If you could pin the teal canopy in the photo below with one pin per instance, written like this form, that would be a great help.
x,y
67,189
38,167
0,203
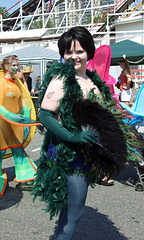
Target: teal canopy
x,y
133,51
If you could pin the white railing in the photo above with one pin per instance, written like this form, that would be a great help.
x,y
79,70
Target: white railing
x,y
66,14
66,17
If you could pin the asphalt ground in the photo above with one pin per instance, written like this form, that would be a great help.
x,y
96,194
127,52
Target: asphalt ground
x,y
111,212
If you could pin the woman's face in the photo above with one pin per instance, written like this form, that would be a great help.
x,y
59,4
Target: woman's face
x,y
12,67
78,54
122,63
26,75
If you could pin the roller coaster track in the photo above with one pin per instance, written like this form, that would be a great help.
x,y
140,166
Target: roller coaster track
x,y
122,8
32,6
27,8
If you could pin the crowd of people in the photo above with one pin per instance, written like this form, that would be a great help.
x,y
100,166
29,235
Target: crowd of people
x,y
84,142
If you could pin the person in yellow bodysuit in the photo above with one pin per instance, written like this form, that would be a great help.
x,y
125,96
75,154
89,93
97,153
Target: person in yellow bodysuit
x,y
17,121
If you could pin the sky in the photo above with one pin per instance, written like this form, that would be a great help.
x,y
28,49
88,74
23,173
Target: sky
x,y
9,3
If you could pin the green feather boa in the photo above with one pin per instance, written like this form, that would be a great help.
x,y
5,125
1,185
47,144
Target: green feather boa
x,y
51,178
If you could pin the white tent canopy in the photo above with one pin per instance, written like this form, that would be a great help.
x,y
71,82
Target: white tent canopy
x,y
34,56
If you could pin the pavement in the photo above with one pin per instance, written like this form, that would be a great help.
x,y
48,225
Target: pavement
x,y
111,212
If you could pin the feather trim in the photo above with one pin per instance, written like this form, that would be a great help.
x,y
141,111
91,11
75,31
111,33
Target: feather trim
x,y
51,178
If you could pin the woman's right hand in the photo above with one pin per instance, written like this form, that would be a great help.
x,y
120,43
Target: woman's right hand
x,y
47,119
83,136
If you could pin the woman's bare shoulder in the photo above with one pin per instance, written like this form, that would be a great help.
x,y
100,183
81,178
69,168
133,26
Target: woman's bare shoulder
x,y
53,94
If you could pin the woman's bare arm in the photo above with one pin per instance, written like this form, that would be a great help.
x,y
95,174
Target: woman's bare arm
x,y
52,95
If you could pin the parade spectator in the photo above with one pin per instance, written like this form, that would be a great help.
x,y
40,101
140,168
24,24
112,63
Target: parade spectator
x,y
27,71
37,84
124,82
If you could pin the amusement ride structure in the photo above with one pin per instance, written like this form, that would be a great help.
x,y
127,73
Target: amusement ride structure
x,y
48,19
43,21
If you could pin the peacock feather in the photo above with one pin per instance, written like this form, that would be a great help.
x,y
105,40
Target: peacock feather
x,y
98,113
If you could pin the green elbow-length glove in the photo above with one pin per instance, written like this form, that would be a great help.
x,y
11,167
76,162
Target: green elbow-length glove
x,y
20,119
9,116
48,120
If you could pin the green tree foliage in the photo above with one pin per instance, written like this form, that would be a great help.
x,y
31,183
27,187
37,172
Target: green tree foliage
x,y
36,24
97,19
2,10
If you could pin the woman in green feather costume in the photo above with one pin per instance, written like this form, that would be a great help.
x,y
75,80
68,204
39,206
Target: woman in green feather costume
x,y
73,154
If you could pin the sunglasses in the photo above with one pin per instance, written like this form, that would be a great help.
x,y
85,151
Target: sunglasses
x,y
122,61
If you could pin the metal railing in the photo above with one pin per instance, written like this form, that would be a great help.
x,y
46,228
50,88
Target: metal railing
x,y
63,15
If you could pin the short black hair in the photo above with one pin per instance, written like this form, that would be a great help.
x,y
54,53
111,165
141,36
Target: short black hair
x,y
80,34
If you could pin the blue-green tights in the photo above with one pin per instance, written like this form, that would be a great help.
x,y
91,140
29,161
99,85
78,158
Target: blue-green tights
x,y
76,195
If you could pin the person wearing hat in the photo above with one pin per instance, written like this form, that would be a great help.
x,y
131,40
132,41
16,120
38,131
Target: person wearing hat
x,y
26,71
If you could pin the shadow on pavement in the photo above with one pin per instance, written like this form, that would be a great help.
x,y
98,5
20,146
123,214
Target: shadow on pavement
x,y
11,196
95,226
127,176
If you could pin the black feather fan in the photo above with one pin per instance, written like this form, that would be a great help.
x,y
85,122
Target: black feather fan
x,y
111,151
